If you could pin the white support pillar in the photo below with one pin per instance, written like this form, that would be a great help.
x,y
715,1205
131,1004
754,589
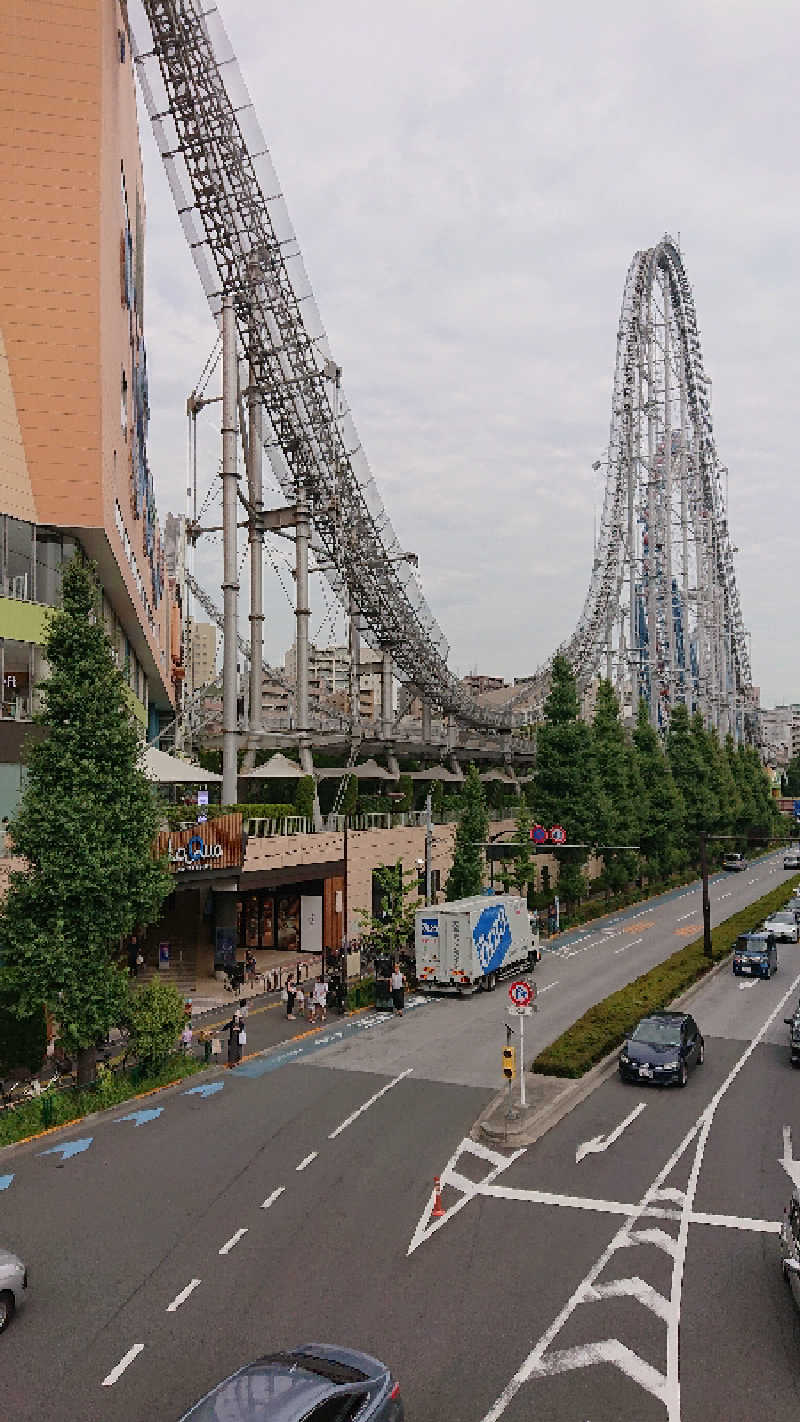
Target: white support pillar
x,y
684,476
302,617
230,576
652,634
354,633
426,721
669,611
255,445
387,717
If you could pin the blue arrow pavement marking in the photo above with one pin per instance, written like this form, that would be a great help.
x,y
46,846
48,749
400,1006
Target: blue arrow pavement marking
x,y
140,1117
69,1148
205,1090
5,1181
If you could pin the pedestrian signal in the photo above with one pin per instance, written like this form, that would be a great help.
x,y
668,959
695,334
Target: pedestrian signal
x,y
509,1063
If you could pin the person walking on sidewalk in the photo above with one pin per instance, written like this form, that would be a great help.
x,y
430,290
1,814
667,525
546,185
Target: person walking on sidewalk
x,y
397,985
290,997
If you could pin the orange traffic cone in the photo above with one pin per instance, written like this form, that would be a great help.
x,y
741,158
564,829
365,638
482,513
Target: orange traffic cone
x,y
438,1210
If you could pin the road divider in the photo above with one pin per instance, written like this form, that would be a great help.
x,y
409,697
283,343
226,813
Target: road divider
x,y
606,1025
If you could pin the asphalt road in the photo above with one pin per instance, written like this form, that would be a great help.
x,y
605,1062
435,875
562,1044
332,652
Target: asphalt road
x,y
280,1207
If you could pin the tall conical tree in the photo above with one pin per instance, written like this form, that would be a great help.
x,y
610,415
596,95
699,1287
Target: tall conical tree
x,y
690,771
662,827
565,788
466,875
616,774
86,827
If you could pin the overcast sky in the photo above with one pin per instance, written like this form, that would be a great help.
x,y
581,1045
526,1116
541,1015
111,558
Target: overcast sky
x,y
468,183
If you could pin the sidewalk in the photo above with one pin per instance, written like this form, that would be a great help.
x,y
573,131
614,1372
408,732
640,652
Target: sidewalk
x,y
273,968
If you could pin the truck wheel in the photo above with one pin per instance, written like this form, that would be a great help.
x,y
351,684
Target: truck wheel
x,y
490,982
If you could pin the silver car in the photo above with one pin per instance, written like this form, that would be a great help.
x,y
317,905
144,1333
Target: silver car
x,y
13,1283
790,1246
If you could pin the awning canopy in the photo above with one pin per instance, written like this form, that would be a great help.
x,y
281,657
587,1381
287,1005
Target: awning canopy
x,y
438,772
166,769
278,767
367,770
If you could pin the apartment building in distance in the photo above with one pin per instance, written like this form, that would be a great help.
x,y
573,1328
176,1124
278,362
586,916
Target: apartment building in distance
x,y
201,654
74,407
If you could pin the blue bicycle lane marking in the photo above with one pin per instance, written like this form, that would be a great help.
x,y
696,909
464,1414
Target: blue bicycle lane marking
x,y
273,1060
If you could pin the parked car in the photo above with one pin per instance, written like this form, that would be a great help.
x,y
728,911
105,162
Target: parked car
x,y
734,861
783,925
791,860
755,954
13,1283
790,1245
662,1048
313,1383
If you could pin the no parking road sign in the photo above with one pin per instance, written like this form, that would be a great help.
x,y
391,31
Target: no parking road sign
x,y
520,993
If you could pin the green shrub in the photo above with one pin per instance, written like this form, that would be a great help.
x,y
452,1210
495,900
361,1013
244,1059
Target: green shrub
x,y
23,1040
361,994
155,1018
606,1025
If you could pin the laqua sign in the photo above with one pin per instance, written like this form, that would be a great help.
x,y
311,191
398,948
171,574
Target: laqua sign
x,y
214,844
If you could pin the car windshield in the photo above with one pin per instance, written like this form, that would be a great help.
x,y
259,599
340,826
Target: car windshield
x,y
751,945
657,1033
783,917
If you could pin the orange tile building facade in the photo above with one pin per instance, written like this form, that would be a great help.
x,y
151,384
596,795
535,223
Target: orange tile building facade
x,y
73,370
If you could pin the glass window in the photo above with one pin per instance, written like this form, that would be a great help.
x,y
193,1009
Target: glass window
x,y
19,561
17,678
48,566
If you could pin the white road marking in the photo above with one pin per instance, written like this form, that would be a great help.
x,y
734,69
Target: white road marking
x,y
554,983
684,916
664,1386
752,982
307,1160
182,1296
270,1200
620,950
751,881
601,1143
122,1365
378,1094
468,1188
234,1239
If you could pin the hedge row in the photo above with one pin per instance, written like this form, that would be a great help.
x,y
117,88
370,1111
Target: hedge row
x,y
607,1024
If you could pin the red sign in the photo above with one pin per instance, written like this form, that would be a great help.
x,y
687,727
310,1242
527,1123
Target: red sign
x,y
558,835
538,834
520,993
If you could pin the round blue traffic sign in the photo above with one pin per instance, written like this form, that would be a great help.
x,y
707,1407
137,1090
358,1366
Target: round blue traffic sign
x,y
520,993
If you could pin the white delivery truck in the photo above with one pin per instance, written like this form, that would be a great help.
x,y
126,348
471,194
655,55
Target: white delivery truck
x,y
470,943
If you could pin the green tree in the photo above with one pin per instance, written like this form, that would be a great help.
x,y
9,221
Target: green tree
x,y
86,826
792,776
616,769
689,762
23,1040
390,931
565,788
521,865
466,875
304,796
155,1017
662,827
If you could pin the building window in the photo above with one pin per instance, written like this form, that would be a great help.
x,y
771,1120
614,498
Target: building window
x,y
19,559
48,566
17,670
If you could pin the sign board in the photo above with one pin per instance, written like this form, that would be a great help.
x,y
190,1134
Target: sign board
x,y
520,1011
520,993
797,809
163,955
539,834
558,835
202,797
212,845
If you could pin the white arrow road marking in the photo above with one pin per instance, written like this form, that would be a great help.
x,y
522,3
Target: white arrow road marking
x,y
791,1166
378,1094
123,1364
752,983
182,1296
541,1362
600,1143
234,1239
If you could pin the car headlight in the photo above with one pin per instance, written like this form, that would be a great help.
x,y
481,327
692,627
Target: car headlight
x,y
623,1056
671,1066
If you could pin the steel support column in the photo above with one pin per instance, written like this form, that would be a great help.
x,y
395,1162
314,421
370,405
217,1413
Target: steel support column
x,y
255,445
230,577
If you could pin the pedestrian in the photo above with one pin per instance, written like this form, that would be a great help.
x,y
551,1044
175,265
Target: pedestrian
x,y
397,985
320,1000
235,1028
300,1000
250,967
290,997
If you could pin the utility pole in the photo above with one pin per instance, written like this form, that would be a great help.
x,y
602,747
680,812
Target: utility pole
x,y
302,613
230,576
428,847
706,900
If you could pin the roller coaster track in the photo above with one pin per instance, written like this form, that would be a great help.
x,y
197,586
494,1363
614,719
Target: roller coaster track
x,y
661,616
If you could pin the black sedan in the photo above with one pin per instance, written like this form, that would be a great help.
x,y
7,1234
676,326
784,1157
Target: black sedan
x,y
662,1048
314,1383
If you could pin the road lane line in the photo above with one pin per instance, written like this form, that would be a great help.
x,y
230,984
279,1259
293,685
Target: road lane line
x,y
378,1094
122,1365
307,1160
270,1200
684,916
554,983
182,1296
234,1239
621,950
